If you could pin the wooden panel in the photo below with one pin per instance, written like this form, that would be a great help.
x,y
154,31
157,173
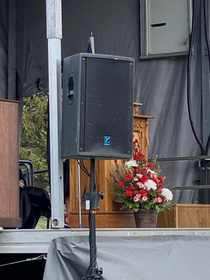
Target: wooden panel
x,y
9,163
10,222
185,216
102,176
109,215
105,220
166,219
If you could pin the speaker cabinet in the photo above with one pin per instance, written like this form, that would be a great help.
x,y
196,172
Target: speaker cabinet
x,y
97,120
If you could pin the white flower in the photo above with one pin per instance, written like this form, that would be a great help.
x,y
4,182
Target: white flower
x,y
131,163
167,193
150,185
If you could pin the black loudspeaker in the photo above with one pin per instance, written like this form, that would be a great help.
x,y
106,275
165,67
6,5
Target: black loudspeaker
x,y
97,119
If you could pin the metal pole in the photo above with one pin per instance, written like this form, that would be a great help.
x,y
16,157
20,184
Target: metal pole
x,y
79,187
54,36
92,220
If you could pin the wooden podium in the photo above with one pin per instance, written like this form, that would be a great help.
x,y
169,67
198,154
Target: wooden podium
x,y
185,216
109,215
9,164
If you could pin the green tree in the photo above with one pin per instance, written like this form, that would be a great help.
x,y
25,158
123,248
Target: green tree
x,y
34,136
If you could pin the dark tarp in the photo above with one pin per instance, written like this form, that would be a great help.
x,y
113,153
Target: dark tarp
x,y
160,84
131,257
3,47
31,50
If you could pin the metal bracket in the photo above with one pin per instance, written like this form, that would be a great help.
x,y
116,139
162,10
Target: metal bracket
x,y
92,200
204,165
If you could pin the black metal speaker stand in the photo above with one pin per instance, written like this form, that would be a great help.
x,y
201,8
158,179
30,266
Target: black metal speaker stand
x,y
93,271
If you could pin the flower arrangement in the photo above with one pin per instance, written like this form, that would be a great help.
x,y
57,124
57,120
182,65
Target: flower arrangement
x,y
138,184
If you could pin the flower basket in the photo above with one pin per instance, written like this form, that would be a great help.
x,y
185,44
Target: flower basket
x,y
137,185
146,218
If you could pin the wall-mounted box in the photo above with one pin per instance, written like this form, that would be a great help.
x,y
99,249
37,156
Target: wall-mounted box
x,y
165,27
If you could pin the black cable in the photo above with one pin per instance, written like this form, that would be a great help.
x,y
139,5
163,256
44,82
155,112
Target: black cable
x,y
41,257
83,167
37,84
189,78
208,50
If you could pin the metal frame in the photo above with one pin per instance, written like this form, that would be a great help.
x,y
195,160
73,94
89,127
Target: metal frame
x,y
54,36
29,171
37,241
195,158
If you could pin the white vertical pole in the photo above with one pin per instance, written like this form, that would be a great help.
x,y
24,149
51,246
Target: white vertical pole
x,y
54,36
79,187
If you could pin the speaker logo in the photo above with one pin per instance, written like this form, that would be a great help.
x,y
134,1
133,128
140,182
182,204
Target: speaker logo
x,y
107,140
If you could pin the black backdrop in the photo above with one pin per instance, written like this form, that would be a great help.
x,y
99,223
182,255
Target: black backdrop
x,y
160,84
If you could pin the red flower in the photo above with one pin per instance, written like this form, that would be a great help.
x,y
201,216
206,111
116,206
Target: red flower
x,y
137,158
122,184
151,165
143,192
144,178
131,188
128,193
160,179
144,168
136,170
155,180
141,154
158,199
128,176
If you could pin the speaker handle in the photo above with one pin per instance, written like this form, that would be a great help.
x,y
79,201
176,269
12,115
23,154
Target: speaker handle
x,y
70,90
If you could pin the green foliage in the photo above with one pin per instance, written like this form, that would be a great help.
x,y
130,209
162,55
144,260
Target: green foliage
x,y
42,223
34,136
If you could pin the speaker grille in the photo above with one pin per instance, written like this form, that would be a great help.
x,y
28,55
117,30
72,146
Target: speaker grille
x,y
106,113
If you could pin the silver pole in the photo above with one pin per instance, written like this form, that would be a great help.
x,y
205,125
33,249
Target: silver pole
x,y
79,187
54,36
